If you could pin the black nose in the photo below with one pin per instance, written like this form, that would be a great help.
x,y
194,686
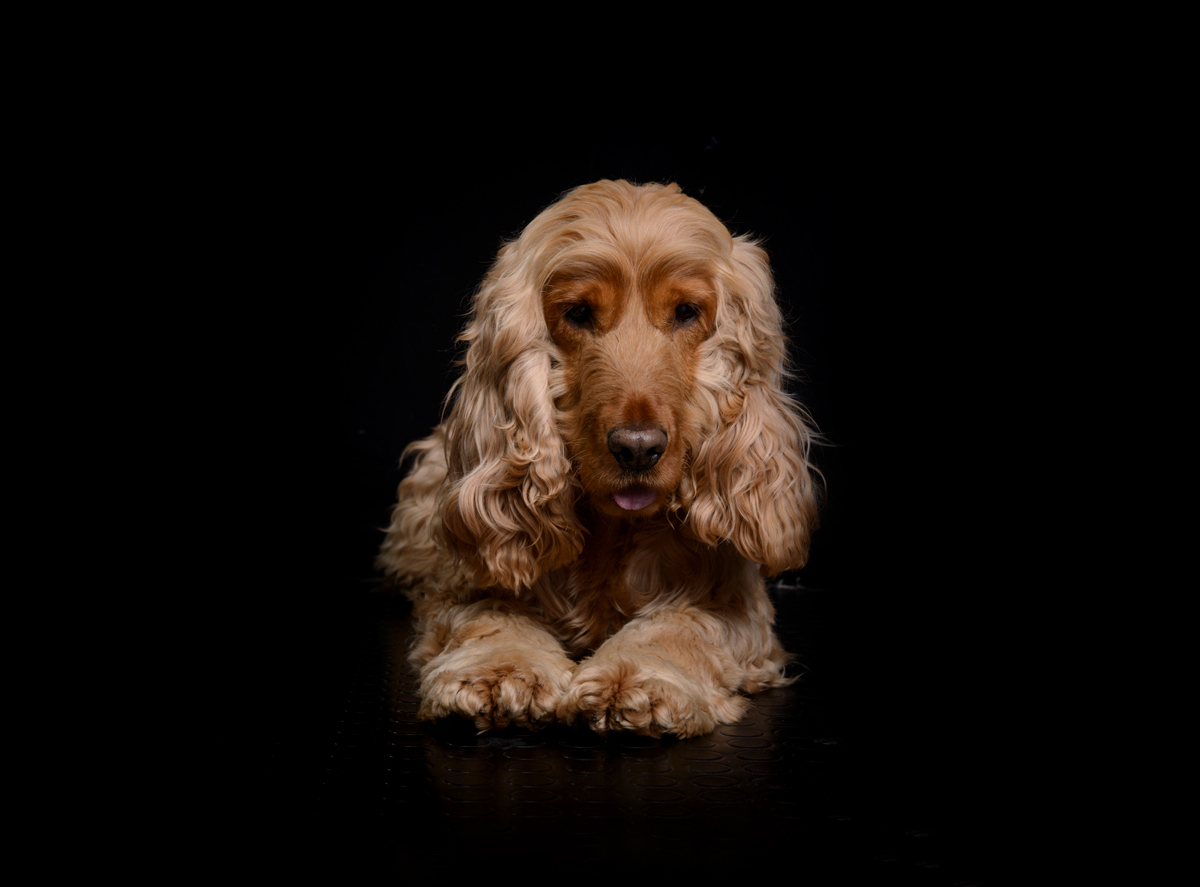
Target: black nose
x,y
637,447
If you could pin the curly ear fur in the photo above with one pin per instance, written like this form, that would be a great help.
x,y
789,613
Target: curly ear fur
x,y
508,503
750,478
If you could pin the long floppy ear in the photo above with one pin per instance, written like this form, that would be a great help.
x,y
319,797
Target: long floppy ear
x,y
752,483
508,501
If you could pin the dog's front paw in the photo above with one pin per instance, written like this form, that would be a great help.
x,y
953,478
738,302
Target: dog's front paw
x,y
495,688
646,694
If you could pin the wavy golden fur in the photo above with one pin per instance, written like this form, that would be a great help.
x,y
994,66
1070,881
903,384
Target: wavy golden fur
x,y
618,469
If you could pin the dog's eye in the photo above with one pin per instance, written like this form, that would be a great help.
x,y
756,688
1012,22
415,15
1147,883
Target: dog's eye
x,y
579,316
685,314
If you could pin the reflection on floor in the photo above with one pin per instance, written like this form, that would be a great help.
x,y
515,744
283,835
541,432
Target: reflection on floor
x,y
786,786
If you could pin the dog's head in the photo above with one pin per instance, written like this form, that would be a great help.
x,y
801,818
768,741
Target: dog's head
x,y
625,349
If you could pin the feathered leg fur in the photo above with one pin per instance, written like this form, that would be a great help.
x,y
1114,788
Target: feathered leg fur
x,y
680,669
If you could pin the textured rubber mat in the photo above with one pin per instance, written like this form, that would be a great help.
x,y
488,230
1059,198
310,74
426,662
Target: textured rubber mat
x,y
779,788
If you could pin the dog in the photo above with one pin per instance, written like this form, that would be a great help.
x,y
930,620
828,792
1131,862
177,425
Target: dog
x,y
585,536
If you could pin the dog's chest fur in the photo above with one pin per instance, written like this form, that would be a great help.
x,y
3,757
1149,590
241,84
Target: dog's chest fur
x,y
621,572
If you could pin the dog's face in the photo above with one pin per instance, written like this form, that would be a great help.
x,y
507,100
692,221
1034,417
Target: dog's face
x,y
629,340
626,345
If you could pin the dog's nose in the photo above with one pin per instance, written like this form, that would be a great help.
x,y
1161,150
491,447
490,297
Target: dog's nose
x,y
637,447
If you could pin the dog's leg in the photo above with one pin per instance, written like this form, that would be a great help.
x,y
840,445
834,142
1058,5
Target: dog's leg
x,y
678,670
492,661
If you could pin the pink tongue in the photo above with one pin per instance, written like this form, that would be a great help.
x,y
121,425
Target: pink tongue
x,y
634,498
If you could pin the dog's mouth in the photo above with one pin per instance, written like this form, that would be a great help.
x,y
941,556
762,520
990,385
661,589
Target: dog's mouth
x,y
635,498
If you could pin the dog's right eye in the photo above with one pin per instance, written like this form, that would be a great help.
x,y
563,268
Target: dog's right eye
x,y
579,316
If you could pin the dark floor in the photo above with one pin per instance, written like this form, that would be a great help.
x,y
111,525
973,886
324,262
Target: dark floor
x,y
805,781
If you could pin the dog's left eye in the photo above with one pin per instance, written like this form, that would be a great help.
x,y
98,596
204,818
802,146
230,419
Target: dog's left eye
x,y
685,314
579,316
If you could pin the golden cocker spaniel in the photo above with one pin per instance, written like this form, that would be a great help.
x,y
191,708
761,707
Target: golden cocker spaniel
x,y
619,469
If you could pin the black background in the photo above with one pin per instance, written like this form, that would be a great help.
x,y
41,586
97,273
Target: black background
x,y
352,243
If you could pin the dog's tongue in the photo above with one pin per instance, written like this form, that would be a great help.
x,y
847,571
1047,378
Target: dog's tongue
x,y
634,498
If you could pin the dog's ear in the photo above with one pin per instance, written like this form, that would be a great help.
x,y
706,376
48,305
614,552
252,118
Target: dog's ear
x,y
508,503
751,481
